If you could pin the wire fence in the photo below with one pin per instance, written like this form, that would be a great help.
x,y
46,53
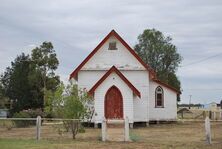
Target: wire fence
x,y
181,130
46,128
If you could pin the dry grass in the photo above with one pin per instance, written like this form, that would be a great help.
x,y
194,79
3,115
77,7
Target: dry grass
x,y
163,136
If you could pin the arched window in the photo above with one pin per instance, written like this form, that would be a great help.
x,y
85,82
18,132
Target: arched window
x,y
159,97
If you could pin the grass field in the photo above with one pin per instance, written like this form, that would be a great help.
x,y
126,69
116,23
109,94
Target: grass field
x,y
163,136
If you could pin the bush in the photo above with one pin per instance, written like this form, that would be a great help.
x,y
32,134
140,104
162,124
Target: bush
x,y
34,113
8,124
81,129
23,123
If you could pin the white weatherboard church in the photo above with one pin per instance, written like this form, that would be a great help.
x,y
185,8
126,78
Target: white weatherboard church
x,y
122,85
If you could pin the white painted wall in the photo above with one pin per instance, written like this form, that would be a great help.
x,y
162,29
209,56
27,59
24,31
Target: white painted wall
x,y
140,79
126,92
135,107
105,59
169,112
86,79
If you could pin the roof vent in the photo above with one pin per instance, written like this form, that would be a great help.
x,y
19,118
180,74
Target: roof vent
x,y
112,46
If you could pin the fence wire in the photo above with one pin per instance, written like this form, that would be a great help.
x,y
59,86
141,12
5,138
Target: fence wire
x,y
182,130
53,129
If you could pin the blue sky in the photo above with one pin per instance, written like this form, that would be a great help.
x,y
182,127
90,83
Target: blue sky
x,y
76,27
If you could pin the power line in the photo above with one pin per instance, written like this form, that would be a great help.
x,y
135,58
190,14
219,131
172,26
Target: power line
x,y
202,60
215,89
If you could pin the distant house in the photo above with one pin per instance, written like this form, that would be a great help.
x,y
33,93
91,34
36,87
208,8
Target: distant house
x,y
190,106
122,85
213,106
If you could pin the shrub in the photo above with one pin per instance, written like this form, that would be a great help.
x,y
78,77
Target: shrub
x,y
59,129
23,123
8,124
34,113
81,129
71,103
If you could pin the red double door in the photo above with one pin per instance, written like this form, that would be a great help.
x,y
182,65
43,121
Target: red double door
x,y
113,104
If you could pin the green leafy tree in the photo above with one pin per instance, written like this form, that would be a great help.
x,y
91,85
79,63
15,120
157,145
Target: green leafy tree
x,y
45,63
70,103
25,81
16,84
158,51
3,100
51,101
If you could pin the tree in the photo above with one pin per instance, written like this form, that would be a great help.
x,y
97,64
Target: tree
x,y
51,101
3,100
158,51
69,103
25,81
16,84
45,63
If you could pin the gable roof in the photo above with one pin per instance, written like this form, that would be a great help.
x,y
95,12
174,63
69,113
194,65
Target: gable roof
x,y
152,73
74,74
114,69
167,86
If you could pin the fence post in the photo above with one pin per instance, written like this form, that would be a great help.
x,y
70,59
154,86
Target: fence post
x,y
210,114
38,127
126,130
104,129
204,114
207,129
215,115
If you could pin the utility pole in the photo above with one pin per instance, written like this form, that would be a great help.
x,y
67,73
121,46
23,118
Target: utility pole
x,y
190,101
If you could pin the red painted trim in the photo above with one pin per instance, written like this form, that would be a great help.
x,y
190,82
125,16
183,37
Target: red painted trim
x,y
112,33
105,106
114,69
166,85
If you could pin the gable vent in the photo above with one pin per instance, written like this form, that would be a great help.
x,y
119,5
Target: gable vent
x,y
112,46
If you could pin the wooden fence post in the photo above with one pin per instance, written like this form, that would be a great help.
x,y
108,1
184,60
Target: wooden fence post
x,y
215,116
210,114
207,130
204,114
38,127
126,130
104,129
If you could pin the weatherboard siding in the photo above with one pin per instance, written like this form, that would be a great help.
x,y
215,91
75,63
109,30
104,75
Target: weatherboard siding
x,y
169,112
105,59
140,79
134,107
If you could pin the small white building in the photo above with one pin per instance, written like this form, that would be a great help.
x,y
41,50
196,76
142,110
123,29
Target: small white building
x,y
213,106
122,85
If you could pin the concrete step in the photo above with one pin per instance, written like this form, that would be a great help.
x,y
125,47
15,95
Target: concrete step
x,y
115,121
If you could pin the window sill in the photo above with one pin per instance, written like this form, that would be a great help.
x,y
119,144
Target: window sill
x,y
159,106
